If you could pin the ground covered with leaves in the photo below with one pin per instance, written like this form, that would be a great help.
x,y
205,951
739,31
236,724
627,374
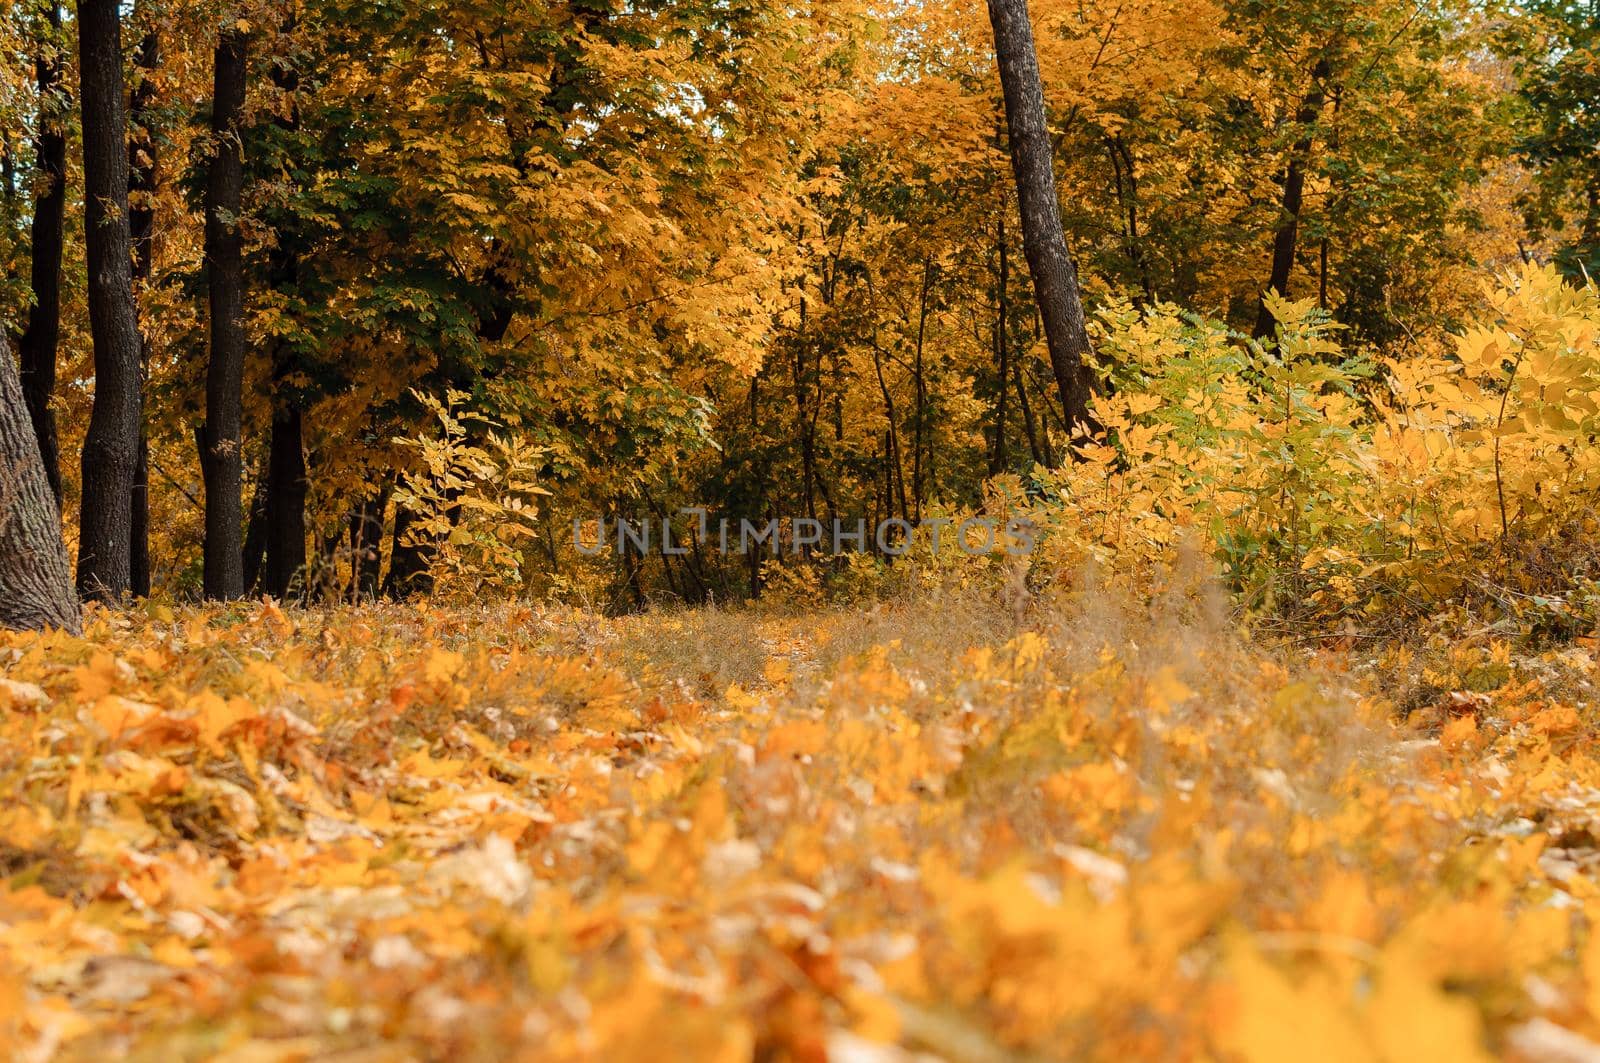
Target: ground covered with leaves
x,y
953,828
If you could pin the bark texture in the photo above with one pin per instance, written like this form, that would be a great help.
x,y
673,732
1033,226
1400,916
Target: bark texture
x,y
221,460
111,447
35,581
43,332
1044,243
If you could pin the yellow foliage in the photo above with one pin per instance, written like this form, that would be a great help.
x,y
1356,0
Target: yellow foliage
x,y
517,833
1326,483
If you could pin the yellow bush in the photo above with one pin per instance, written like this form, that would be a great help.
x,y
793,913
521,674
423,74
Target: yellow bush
x,y
1326,481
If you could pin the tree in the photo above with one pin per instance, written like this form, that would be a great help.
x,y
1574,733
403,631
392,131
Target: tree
x,y
111,447
1044,243
221,460
35,582
1556,45
42,336
142,178
1294,183
284,508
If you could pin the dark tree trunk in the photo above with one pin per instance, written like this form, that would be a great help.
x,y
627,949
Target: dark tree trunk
x,y
805,421
220,458
1044,243
287,481
366,544
43,332
896,475
1293,185
1589,232
1126,176
142,176
1028,423
1045,411
139,521
35,582
111,447
998,457
285,511
409,559
922,389
255,535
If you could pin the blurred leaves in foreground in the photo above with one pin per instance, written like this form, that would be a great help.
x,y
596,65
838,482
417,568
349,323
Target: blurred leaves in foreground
x,y
1066,829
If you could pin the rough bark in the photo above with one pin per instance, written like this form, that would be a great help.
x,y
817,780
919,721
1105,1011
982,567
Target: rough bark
x,y
110,449
221,460
1286,237
35,581
42,335
1044,243
142,176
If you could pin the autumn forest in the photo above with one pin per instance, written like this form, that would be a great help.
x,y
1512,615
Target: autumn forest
x,y
864,530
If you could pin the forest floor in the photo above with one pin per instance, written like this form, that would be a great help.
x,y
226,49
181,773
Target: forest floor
x,y
944,828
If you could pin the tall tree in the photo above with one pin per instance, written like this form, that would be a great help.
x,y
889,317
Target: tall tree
x,y
43,333
221,437
111,447
284,509
1044,244
35,582
142,176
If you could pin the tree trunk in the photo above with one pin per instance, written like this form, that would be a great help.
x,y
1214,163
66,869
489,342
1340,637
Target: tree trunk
x,y
1044,244
891,440
287,481
43,333
286,503
1294,184
141,227
999,458
221,460
408,559
110,449
922,390
1028,423
35,582
1126,176
366,544
254,550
